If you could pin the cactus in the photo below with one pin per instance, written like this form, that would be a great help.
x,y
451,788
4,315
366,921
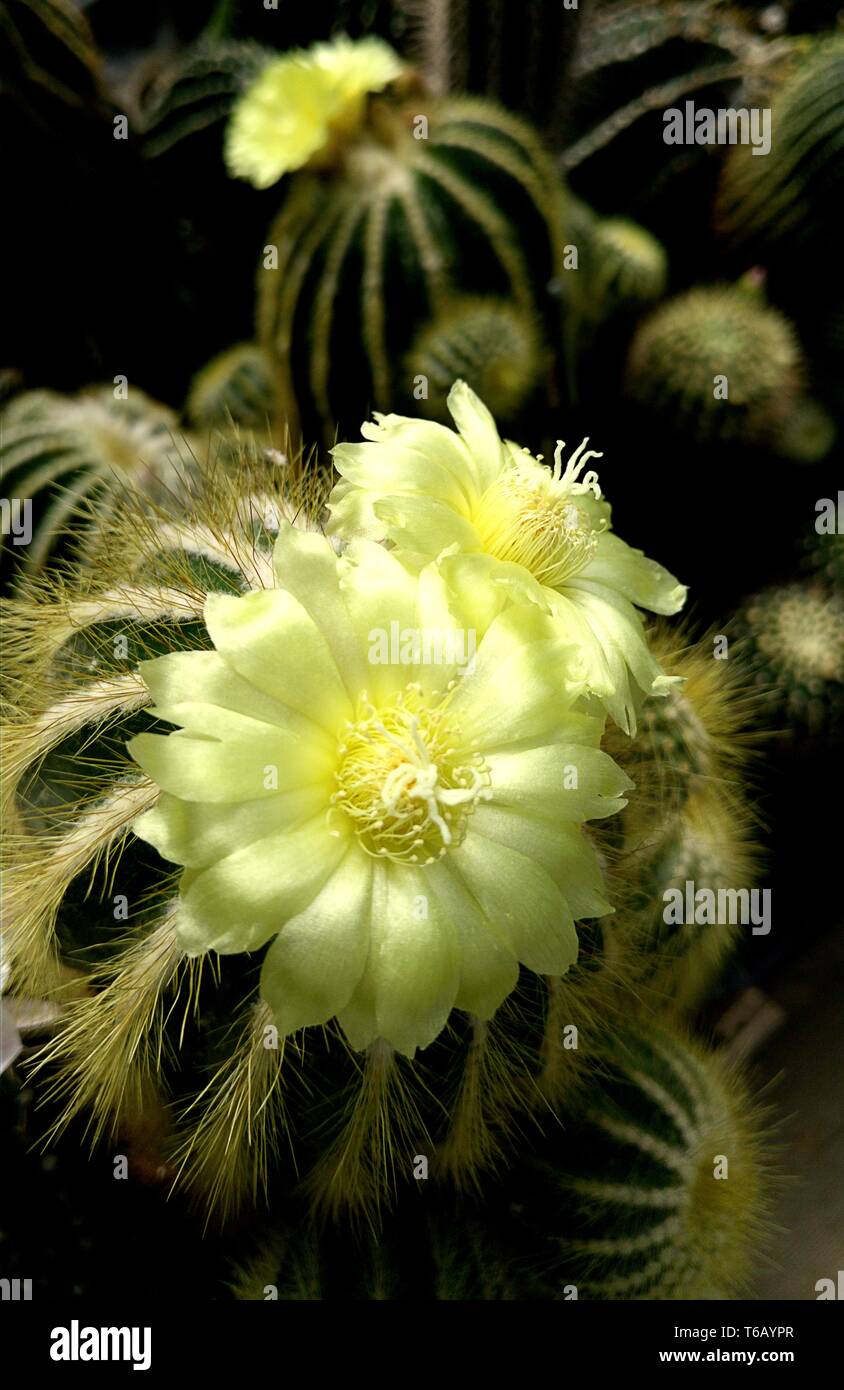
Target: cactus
x,y
792,197
65,452
629,265
147,1023
793,641
198,91
662,1190
825,556
514,54
692,817
236,387
658,1189
473,206
52,45
808,433
717,364
490,344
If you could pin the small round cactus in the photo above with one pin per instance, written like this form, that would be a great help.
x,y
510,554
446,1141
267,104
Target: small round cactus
x,y
825,556
793,639
628,266
662,1189
489,343
808,432
237,387
66,453
691,818
716,363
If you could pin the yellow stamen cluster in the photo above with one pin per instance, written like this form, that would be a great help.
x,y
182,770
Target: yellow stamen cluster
x,y
530,517
404,780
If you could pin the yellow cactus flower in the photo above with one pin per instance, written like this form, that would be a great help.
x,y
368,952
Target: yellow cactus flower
x,y
501,523
401,819
302,103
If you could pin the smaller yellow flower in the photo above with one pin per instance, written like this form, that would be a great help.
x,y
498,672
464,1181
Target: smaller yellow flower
x,y
302,103
500,523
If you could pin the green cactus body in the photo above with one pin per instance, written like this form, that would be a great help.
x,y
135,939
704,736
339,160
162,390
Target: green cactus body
x,y
199,90
793,642
82,892
515,54
825,555
64,453
472,206
716,364
691,818
236,387
792,197
661,1190
658,1189
488,343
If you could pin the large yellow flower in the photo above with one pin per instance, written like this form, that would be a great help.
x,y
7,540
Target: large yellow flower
x,y
501,522
301,104
400,817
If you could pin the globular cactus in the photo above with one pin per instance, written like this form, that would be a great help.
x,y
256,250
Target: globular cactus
x,y
489,343
793,642
808,432
700,735
686,891
412,213
825,556
788,200
692,818
629,266
716,364
658,1188
237,387
661,1191
147,1025
62,453
391,195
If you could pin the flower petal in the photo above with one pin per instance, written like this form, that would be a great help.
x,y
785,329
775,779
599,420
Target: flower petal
x,y
478,429
306,567
425,525
245,899
617,565
269,639
562,781
521,901
522,681
563,851
200,833
315,963
257,764
412,974
489,970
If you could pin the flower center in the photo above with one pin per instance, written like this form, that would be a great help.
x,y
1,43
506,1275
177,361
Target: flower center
x,y
403,780
531,517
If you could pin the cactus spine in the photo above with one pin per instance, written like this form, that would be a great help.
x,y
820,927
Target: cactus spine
x,y
658,1189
